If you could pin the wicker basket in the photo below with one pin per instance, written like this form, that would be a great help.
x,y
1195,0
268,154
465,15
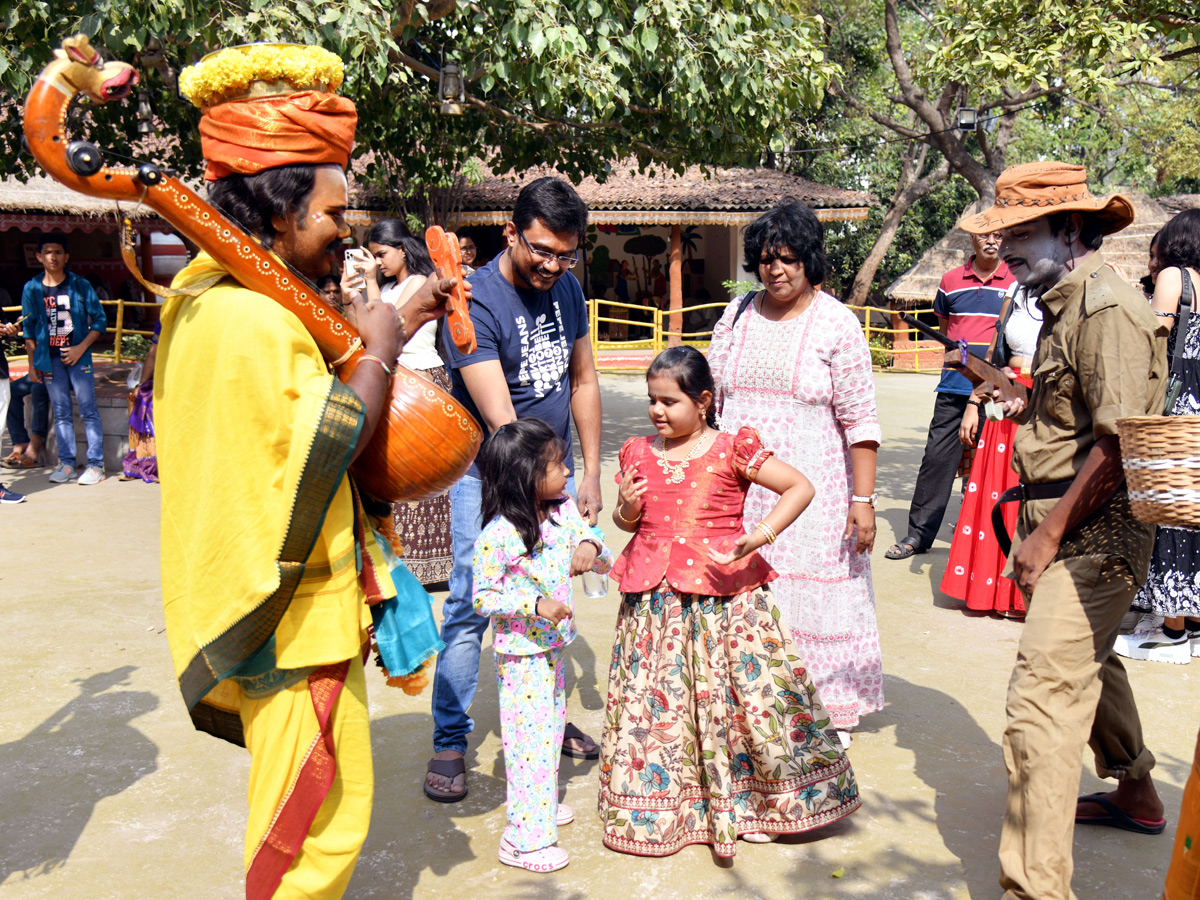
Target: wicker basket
x,y
1161,458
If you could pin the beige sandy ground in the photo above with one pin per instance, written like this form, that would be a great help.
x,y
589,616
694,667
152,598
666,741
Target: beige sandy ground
x,y
107,792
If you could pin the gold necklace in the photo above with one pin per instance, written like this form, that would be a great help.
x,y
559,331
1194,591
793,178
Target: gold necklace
x,y
674,471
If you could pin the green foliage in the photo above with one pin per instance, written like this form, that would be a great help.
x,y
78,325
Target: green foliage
x,y
134,346
1088,47
881,351
574,84
847,243
740,288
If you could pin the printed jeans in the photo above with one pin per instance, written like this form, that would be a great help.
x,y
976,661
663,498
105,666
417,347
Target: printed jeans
x,y
60,382
457,675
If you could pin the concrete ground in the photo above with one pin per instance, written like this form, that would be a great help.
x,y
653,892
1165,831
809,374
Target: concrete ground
x,y
107,792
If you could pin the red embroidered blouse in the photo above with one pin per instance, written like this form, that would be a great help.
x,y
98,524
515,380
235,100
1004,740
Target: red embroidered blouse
x,y
681,523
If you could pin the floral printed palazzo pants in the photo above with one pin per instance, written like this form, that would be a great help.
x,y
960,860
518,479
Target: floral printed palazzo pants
x,y
533,714
713,728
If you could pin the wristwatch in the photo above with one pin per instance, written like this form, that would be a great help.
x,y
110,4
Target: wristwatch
x,y
873,499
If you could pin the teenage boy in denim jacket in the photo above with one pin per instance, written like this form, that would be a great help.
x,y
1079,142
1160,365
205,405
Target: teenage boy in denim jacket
x,y
64,320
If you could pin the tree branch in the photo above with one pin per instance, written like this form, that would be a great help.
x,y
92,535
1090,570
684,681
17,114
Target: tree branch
x,y
924,15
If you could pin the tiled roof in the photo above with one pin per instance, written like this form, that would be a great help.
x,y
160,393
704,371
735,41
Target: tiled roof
x,y
733,190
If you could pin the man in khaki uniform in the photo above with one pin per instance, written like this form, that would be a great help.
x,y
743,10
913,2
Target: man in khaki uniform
x,y
1079,554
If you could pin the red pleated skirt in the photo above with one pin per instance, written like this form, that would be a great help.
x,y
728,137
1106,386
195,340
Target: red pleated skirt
x,y
973,571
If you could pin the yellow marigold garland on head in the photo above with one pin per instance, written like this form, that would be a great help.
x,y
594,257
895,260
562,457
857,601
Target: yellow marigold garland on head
x,y
229,73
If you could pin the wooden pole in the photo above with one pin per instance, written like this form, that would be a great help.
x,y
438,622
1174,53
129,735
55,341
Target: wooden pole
x,y
675,287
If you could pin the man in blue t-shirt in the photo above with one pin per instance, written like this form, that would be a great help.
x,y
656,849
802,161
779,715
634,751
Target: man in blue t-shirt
x,y
533,360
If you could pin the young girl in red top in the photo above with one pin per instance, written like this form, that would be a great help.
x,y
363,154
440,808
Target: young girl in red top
x,y
713,728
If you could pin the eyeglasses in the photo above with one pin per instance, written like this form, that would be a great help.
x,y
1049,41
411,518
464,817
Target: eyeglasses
x,y
547,256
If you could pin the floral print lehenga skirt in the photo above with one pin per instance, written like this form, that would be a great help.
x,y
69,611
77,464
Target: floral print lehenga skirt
x,y
713,728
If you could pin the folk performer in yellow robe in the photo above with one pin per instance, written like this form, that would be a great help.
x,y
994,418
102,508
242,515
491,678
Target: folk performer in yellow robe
x,y
266,571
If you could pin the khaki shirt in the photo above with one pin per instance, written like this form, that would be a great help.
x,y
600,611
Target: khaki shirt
x,y
1099,358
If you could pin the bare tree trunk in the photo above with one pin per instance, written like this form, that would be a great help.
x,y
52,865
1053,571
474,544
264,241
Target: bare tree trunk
x,y
909,190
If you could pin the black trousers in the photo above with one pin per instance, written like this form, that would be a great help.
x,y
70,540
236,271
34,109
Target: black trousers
x,y
939,465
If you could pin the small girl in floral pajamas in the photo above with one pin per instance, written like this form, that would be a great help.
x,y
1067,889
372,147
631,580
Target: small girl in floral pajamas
x,y
533,541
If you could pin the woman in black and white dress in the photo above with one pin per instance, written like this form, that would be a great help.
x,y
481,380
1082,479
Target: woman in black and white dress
x,y
1170,632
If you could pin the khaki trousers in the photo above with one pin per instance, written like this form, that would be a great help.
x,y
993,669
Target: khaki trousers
x,y
1067,688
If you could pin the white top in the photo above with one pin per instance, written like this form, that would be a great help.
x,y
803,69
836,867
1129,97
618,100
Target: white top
x,y
421,351
1024,325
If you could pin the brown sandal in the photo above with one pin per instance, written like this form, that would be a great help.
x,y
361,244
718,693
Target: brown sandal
x,y
447,768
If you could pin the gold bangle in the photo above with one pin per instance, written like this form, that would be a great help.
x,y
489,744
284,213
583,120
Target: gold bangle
x,y
367,357
767,531
625,520
403,331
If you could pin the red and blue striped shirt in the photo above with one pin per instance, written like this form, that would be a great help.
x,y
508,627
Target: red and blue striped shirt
x,y
972,305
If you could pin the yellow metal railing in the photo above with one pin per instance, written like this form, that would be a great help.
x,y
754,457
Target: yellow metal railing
x,y
934,355
925,358
117,330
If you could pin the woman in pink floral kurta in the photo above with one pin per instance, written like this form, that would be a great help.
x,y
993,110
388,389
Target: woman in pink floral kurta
x,y
804,382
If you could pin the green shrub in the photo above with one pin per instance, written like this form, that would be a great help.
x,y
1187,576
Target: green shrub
x,y
134,346
881,351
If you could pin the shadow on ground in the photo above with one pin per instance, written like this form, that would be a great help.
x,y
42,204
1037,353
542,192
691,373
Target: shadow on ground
x,y
52,779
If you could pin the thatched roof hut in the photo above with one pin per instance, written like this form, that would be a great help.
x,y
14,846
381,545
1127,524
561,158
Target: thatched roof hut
x,y
1177,203
1129,248
43,204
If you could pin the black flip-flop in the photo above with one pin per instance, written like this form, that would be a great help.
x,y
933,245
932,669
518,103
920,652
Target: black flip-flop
x,y
1115,817
447,768
571,733
902,550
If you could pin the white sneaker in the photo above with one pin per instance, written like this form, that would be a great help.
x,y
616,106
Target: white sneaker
x,y
1132,621
1194,639
92,475
61,474
1146,623
1155,646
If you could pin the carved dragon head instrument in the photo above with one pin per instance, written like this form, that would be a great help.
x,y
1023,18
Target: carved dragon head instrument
x,y
428,440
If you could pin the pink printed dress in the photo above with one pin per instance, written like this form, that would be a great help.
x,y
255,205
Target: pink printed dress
x,y
713,727
805,384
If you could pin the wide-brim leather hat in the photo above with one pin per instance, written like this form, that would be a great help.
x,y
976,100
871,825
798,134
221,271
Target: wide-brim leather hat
x,y
1032,190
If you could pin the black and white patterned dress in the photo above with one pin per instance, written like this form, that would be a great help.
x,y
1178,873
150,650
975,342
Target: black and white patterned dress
x,y
1173,585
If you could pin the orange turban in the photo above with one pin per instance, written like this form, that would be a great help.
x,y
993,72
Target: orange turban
x,y
243,137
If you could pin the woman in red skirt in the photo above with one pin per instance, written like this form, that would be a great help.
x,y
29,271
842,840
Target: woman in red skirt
x,y
973,571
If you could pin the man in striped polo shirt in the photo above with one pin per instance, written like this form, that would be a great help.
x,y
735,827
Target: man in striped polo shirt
x,y
967,305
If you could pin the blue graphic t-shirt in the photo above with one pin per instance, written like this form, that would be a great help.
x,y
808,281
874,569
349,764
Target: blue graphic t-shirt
x,y
531,333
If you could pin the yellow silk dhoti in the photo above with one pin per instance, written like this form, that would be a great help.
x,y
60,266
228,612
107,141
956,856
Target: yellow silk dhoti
x,y
280,731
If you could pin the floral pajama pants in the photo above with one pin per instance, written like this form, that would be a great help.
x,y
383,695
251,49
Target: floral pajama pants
x,y
533,714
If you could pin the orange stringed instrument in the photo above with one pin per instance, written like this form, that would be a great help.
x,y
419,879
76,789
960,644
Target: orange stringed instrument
x,y
446,255
428,439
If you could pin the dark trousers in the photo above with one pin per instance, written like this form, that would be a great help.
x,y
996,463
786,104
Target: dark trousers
x,y
939,465
22,388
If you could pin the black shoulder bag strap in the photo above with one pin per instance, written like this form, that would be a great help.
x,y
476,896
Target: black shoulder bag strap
x,y
1175,380
1000,352
746,301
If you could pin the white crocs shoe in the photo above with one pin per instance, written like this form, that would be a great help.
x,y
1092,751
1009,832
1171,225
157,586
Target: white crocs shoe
x,y
566,815
547,859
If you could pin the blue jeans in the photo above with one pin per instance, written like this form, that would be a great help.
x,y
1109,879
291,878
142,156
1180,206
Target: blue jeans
x,y
457,673
22,388
59,383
